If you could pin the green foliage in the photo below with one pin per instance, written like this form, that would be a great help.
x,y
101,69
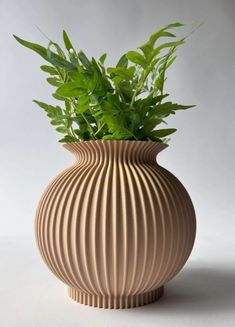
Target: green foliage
x,y
124,102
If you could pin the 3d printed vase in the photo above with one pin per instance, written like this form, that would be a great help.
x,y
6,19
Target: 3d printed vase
x,y
115,226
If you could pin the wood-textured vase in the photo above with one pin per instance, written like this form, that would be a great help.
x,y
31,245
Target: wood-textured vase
x,y
115,226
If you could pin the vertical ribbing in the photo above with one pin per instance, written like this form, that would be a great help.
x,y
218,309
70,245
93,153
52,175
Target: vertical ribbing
x,y
124,301
115,227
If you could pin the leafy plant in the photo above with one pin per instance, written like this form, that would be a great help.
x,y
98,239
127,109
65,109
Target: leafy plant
x,y
125,102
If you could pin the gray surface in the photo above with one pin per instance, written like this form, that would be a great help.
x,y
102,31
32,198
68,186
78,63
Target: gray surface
x,y
201,154
203,294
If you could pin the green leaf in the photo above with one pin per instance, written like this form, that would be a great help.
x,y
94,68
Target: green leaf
x,y
167,45
53,111
71,89
58,61
122,72
33,46
68,139
149,45
122,62
54,81
49,69
43,105
150,100
55,121
117,132
170,62
49,56
174,25
182,107
162,66
103,57
58,97
62,129
136,58
95,65
83,104
167,108
76,76
82,133
57,48
162,132
151,123
119,135
162,33
83,59
67,41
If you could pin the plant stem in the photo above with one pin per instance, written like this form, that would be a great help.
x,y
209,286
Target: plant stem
x,y
89,126
84,117
121,95
99,129
74,135
139,86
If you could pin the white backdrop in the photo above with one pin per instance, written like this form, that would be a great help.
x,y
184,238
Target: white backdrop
x,y
201,154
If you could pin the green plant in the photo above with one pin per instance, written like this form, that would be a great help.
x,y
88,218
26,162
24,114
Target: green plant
x,y
125,102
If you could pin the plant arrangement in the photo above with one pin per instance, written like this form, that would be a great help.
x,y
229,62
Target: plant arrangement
x,y
125,102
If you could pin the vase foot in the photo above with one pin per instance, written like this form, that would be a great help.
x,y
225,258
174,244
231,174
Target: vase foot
x,y
115,302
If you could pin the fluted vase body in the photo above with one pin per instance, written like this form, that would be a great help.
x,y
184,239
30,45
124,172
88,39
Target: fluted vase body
x,y
115,226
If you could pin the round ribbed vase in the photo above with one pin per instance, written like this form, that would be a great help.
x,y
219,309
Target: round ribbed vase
x,y
115,226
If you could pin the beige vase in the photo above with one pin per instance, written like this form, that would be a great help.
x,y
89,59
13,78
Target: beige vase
x,y
115,226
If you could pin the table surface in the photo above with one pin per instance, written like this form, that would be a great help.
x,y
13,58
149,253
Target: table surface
x,y
202,294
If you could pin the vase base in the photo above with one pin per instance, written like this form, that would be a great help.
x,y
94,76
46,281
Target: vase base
x,y
112,302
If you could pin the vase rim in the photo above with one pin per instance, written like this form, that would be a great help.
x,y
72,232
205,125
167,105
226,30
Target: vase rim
x,y
144,150
164,145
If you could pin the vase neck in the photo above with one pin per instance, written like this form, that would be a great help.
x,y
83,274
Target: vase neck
x,y
115,150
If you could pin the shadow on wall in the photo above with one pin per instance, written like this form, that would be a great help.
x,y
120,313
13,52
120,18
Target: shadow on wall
x,y
197,291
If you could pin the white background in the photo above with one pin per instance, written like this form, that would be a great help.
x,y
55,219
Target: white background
x,y
201,154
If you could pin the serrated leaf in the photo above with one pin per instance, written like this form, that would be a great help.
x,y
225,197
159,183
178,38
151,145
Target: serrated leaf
x,y
52,111
119,134
41,104
167,108
149,45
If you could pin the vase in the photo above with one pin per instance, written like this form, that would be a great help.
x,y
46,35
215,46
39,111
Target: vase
x,y
115,227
